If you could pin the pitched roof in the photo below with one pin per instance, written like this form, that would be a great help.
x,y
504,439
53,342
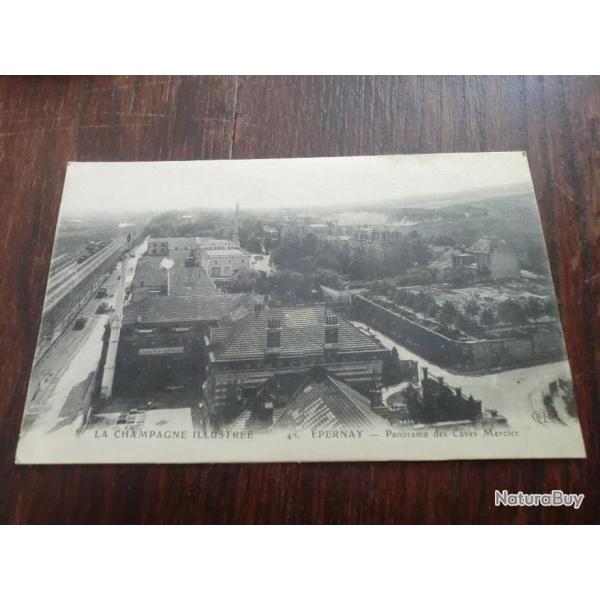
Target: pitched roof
x,y
327,403
444,260
180,242
177,309
207,243
225,252
189,281
149,273
302,332
183,281
487,244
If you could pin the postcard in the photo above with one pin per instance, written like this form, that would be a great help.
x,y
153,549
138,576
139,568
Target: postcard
x,y
367,308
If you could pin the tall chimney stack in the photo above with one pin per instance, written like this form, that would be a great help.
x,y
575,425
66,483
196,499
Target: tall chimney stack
x,y
236,224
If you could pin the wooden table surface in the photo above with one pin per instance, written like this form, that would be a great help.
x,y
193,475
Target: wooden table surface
x,y
46,122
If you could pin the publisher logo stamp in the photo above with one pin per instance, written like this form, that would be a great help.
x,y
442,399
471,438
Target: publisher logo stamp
x,y
553,498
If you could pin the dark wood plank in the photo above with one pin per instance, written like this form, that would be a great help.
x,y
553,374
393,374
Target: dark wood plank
x,y
45,122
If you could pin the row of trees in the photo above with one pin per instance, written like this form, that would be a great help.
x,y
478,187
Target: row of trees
x,y
306,254
289,287
475,318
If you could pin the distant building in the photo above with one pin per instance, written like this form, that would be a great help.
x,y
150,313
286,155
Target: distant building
x,y
168,245
497,256
183,247
443,265
487,254
221,263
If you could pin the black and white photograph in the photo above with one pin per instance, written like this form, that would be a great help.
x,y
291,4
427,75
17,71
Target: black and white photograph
x,y
376,308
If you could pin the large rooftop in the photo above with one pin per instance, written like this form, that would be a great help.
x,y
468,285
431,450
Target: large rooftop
x,y
225,252
192,242
183,281
486,244
182,309
328,403
179,242
302,332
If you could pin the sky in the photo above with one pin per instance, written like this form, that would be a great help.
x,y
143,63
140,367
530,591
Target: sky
x,y
285,183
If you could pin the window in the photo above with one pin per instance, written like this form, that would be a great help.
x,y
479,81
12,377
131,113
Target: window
x,y
331,335
273,338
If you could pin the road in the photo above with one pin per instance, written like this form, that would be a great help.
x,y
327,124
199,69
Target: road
x,y
516,394
60,284
59,378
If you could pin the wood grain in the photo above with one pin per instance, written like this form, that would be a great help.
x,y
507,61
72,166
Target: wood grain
x,y
46,122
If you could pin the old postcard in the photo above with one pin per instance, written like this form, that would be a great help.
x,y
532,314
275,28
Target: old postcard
x,y
321,309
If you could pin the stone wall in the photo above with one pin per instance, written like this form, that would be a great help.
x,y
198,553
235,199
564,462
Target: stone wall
x,y
545,345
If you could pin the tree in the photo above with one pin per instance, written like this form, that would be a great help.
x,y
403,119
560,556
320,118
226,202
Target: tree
x,y
484,272
472,308
534,309
461,276
365,265
551,309
448,313
252,245
244,281
488,318
292,287
329,278
325,260
391,368
419,250
427,305
381,287
468,324
511,312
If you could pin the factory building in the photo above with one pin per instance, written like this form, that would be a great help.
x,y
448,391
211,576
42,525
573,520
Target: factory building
x,y
282,341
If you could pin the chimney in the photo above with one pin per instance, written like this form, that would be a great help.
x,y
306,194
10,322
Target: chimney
x,y
273,336
236,224
331,331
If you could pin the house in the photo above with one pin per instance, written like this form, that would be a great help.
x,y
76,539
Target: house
x,y
169,246
224,263
185,247
488,256
496,256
